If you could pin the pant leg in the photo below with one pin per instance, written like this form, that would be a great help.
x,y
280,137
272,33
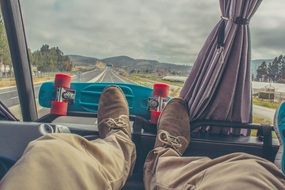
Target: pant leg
x,y
66,161
165,169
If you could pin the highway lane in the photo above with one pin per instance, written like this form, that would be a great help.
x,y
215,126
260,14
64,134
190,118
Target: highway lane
x,y
267,113
111,76
9,96
108,75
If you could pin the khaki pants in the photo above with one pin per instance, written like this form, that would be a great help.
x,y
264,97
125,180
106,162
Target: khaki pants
x,y
70,162
165,169
66,161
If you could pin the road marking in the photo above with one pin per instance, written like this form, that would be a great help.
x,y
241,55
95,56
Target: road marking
x,y
117,76
15,90
8,92
103,76
112,76
36,88
98,77
16,97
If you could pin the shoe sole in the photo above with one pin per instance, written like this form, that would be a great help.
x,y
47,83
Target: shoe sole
x,y
119,88
279,126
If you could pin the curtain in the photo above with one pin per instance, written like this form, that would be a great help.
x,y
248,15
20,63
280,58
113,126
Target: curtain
x,y
219,84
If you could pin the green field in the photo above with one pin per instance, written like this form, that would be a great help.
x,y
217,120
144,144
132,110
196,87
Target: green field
x,y
149,80
265,103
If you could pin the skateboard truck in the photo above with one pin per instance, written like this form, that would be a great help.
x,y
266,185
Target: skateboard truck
x,y
158,101
64,94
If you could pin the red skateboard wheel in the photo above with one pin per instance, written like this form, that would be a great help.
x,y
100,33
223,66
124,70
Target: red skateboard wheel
x,y
160,89
58,108
154,115
62,80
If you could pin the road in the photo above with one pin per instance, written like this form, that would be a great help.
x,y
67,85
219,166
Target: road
x,y
267,113
263,112
9,96
110,76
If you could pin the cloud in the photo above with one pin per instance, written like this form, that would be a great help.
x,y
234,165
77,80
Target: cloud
x,y
267,30
165,30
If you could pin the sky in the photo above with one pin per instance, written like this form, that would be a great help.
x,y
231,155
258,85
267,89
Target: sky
x,y
170,31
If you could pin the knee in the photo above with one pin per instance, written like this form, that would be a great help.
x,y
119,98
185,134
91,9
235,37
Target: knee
x,y
46,144
242,156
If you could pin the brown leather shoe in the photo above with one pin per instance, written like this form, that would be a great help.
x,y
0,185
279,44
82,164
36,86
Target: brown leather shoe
x,y
174,126
113,112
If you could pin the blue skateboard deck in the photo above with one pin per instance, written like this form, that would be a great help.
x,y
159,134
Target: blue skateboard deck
x,y
87,97
279,125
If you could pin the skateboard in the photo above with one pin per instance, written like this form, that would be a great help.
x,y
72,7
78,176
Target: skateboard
x,y
64,97
279,127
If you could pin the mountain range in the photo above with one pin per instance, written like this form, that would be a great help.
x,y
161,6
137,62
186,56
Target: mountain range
x,y
82,60
130,64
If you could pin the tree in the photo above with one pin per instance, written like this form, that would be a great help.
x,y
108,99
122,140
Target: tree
x,y
282,63
274,70
50,59
46,59
262,72
5,57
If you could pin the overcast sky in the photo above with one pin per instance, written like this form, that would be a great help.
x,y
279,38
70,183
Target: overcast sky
x,y
165,30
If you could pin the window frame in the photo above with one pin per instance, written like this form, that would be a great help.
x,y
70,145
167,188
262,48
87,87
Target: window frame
x,y
13,21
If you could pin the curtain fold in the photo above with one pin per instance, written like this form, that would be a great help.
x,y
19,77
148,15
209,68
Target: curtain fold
x,y
219,84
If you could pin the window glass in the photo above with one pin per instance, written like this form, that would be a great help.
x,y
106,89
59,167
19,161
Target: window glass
x,y
8,90
268,61
145,42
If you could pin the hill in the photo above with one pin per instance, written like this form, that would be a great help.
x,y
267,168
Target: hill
x,y
147,66
120,61
80,60
134,65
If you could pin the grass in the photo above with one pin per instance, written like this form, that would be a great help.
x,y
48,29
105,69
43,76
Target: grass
x,y
43,77
8,82
154,78
265,103
261,120
149,80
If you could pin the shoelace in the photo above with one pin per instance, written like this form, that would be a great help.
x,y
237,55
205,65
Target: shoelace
x,y
170,140
117,123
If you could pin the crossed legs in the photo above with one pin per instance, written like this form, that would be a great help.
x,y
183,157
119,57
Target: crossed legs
x,y
66,161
